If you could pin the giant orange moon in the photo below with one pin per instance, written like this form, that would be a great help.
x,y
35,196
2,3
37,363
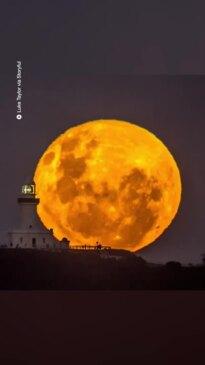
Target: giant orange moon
x,y
109,181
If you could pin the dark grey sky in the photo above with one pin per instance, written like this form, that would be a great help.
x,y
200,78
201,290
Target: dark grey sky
x,y
89,36
80,62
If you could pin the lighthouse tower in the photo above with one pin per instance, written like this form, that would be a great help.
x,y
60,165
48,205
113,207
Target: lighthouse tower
x,y
31,233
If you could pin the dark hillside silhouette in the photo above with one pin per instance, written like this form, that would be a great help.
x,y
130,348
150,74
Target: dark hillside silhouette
x,y
93,269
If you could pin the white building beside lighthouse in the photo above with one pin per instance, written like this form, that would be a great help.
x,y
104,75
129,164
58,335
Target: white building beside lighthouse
x,y
31,233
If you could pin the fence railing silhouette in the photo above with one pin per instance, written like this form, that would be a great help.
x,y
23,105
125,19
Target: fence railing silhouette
x,y
89,247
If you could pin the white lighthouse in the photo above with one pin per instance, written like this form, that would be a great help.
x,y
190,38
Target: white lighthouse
x,y
31,233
